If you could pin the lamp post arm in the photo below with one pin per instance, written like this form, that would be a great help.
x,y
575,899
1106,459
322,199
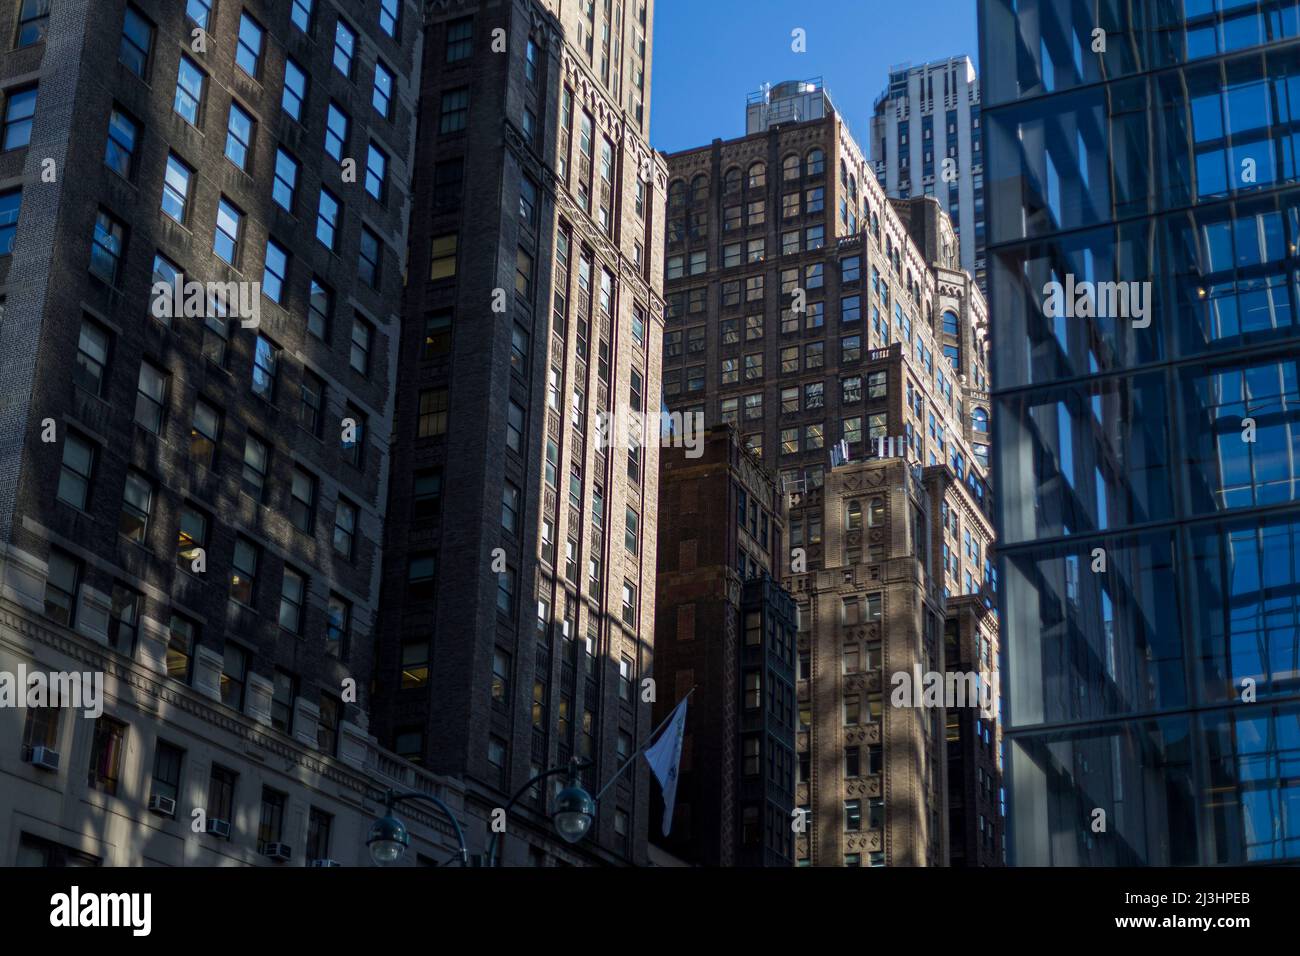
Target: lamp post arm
x,y
392,798
574,765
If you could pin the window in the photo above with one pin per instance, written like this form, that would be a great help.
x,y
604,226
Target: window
x,y
338,625
852,815
337,124
353,438
166,780
33,22
510,501
151,392
320,306
432,419
191,536
460,39
345,527
295,89
180,647
631,526
327,219
524,274
362,335
426,494
300,14
448,179
76,471
327,729
283,694
92,357
137,505
302,500
106,755
243,572
454,111
266,357
239,136
225,240
420,577
376,172
629,603
20,107
293,597
369,258
527,200
176,187
381,95
275,271
123,138
443,264
506,591
286,180
137,42
234,673
106,248
61,584
437,334
345,47
270,827
389,12
221,794
205,429
256,456
248,52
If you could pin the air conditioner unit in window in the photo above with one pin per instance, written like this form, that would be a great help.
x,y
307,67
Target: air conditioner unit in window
x,y
278,851
219,828
323,863
161,805
44,757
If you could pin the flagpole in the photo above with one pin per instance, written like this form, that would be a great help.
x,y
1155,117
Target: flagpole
x,y
632,759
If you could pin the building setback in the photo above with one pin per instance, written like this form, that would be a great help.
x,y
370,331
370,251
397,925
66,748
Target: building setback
x,y
725,627
185,507
926,140
519,585
1149,501
806,309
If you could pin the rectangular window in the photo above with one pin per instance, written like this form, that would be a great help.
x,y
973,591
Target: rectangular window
x,y
266,358
239,136
454,111
460,39
221,795
285,184
302,501
248,50
243,572
123,139
282,701
33,22
345,527
166,781
106,248
177,182
337,125
270,827
376,172
362,335
137,505
106,750
443,264
181,635
76,471
300,14
275,271
205,429
295,89
226,237
191,535
137,42
327,219
20,107
61,586
234,674
381,94
150,400
293,598
338,625
432,418
345,47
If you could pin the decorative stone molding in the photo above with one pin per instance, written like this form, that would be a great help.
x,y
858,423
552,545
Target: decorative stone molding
x,y
22,578
207,671
257,703
306,716
93,610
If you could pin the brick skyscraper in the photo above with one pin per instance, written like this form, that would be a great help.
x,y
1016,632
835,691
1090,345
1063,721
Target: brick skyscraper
x,y
519,562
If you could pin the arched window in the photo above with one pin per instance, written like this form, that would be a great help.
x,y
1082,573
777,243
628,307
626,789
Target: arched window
x,y
790,167
816,162
875,225
949,322
677,193
731,180
757,176
853,189
876,513
979,420
699,188
853,516
844,173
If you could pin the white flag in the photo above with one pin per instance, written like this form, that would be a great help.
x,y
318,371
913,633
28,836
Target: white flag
x,y
664,756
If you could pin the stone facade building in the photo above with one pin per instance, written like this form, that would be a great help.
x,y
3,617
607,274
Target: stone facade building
x,y
519,561
193,498
808,310
725,627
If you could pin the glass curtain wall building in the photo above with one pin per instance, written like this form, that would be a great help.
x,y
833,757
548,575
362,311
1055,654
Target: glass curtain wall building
x,y
1144,156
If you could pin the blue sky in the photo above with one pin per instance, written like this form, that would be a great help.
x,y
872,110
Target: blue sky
x,y
710,54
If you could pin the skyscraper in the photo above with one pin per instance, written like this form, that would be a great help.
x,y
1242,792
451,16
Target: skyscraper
x,y
926,140
1142,230
519,560
812,313
196,296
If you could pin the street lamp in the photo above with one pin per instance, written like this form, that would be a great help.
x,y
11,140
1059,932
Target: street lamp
x,y
574,806
388,839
